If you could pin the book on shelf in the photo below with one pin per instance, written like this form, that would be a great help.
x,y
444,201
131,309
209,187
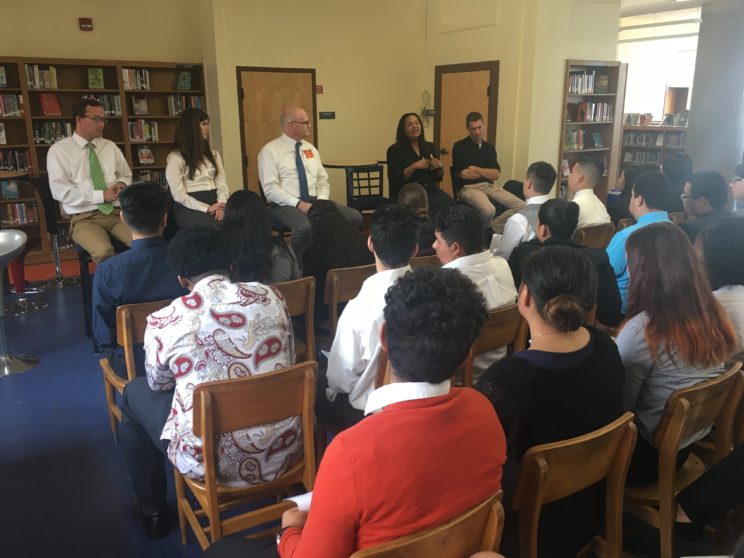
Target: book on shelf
x,y
49,104
3,137
597,139
46,133
11,105
9,189
601,83
183,79
143,130
659,140
565,168
41,76
110,101
139,105
179,103
594,112
574,140
144,154
147,175
3,77
64,240
581,82
15,160
19,214
136,78
95,78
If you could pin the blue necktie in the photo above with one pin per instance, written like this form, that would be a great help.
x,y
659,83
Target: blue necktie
x,y
304,193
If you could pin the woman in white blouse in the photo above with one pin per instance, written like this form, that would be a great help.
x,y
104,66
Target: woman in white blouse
x,y
195,174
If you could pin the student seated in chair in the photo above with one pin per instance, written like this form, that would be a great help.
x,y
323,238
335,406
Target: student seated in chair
x,y
556,223
141,274
352,364
459,245
220,330
426,451
584,178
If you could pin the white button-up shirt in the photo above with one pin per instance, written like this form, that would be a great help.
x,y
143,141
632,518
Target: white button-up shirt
x,y
517,229
69,172
591,210
277,171
352,364
403,391
206,177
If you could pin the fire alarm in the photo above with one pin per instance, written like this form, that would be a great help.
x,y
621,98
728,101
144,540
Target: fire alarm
x,y
86,23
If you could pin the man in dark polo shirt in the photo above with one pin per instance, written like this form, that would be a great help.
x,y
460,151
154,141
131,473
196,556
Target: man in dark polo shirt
x,y
476,170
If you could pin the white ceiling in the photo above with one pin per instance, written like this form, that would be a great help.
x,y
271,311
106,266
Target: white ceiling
x,y
638,7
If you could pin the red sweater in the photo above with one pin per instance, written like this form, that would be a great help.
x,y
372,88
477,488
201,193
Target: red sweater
x,y
412,466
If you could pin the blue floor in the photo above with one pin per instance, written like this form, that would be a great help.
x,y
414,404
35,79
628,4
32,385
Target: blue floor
x,y
64,491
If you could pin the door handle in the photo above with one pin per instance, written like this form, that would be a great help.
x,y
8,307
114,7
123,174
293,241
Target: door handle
x,y
443,151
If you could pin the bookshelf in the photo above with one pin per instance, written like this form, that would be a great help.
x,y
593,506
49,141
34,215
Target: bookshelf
x,y
591,123
646,146
142,102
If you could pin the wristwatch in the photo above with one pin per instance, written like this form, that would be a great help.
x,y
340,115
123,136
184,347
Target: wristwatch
x,y
279,535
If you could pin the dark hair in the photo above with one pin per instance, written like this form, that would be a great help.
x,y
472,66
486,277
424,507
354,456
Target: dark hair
x,y
560,216
195,251
395,234
593,169
248,226
80,107
677,167
668,284
400,132
654,187
542,175
709,185
190,143
473,117
432,318
414,196
563,283
630,173
143,205
335,241
723,249
461,224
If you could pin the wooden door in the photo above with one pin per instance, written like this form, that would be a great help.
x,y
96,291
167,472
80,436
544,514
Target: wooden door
x,y
458,90
262,93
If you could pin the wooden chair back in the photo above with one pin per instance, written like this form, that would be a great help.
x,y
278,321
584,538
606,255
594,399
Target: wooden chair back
x,y
384,373
624,223
228,405
596,236
738,430
299,296
131,323
425,261
477,529
343,284
677,217
553,471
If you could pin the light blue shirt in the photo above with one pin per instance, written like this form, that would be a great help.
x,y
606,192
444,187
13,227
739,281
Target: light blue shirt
x,y
616,250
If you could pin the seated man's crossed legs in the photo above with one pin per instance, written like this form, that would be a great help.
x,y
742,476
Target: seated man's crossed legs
x,y
481,195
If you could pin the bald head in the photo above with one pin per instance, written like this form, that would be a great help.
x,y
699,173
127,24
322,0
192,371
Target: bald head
x,y
295,122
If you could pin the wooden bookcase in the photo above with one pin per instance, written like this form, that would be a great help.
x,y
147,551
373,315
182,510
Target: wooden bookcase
x,y
591,119
29,136
646,146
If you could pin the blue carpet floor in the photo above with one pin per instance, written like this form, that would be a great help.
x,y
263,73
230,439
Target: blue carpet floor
x,y
64,490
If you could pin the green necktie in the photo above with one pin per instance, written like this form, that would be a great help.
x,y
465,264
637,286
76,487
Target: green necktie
x,y
96,176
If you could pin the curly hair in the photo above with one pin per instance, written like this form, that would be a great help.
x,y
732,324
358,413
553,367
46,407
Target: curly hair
x,y
196,251
335,241
432,318
248,225
395,234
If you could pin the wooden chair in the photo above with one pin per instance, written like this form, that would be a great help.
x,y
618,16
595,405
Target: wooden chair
x,y
733,420
596,236
343,284
476,530
677,217
234,404
131,322
553,471
425,261
687,411
299,295
624,223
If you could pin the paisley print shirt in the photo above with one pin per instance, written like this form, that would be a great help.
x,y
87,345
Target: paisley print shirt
x,y
223,330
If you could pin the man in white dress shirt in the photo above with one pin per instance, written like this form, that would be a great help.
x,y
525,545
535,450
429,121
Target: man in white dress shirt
x,y
522,226
585,175
86,174
292,177
352,364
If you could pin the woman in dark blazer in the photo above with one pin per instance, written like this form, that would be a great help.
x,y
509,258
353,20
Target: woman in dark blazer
x,y
413,159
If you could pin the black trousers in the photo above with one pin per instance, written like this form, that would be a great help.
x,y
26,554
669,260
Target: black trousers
x,y
186,217
644,465
143,415
338,412
242,548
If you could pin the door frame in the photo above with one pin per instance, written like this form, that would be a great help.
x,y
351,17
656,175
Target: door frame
x,y
493,94
240,95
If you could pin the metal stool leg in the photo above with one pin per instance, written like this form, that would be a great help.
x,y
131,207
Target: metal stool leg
x,y
59,281
22,305
11,364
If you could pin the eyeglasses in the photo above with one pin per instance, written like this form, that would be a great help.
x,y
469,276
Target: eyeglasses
x,y
685,196
97,119
304,123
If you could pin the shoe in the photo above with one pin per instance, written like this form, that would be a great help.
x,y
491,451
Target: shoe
x,y
156,523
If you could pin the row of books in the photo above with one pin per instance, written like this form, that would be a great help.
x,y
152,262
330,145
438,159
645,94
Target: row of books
x,y
594,112
40,76
15,160
157,176
642,157
586,83
11,105
643,139
143,130
3,78
675,140
179,103
19,214
50,132
136,78
111,103
577,139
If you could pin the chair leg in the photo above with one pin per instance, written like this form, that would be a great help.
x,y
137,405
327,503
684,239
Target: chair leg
x,y
110,402
667,514
180,500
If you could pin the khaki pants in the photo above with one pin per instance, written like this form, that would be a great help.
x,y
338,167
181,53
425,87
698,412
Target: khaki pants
x,y
91,231
482,194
